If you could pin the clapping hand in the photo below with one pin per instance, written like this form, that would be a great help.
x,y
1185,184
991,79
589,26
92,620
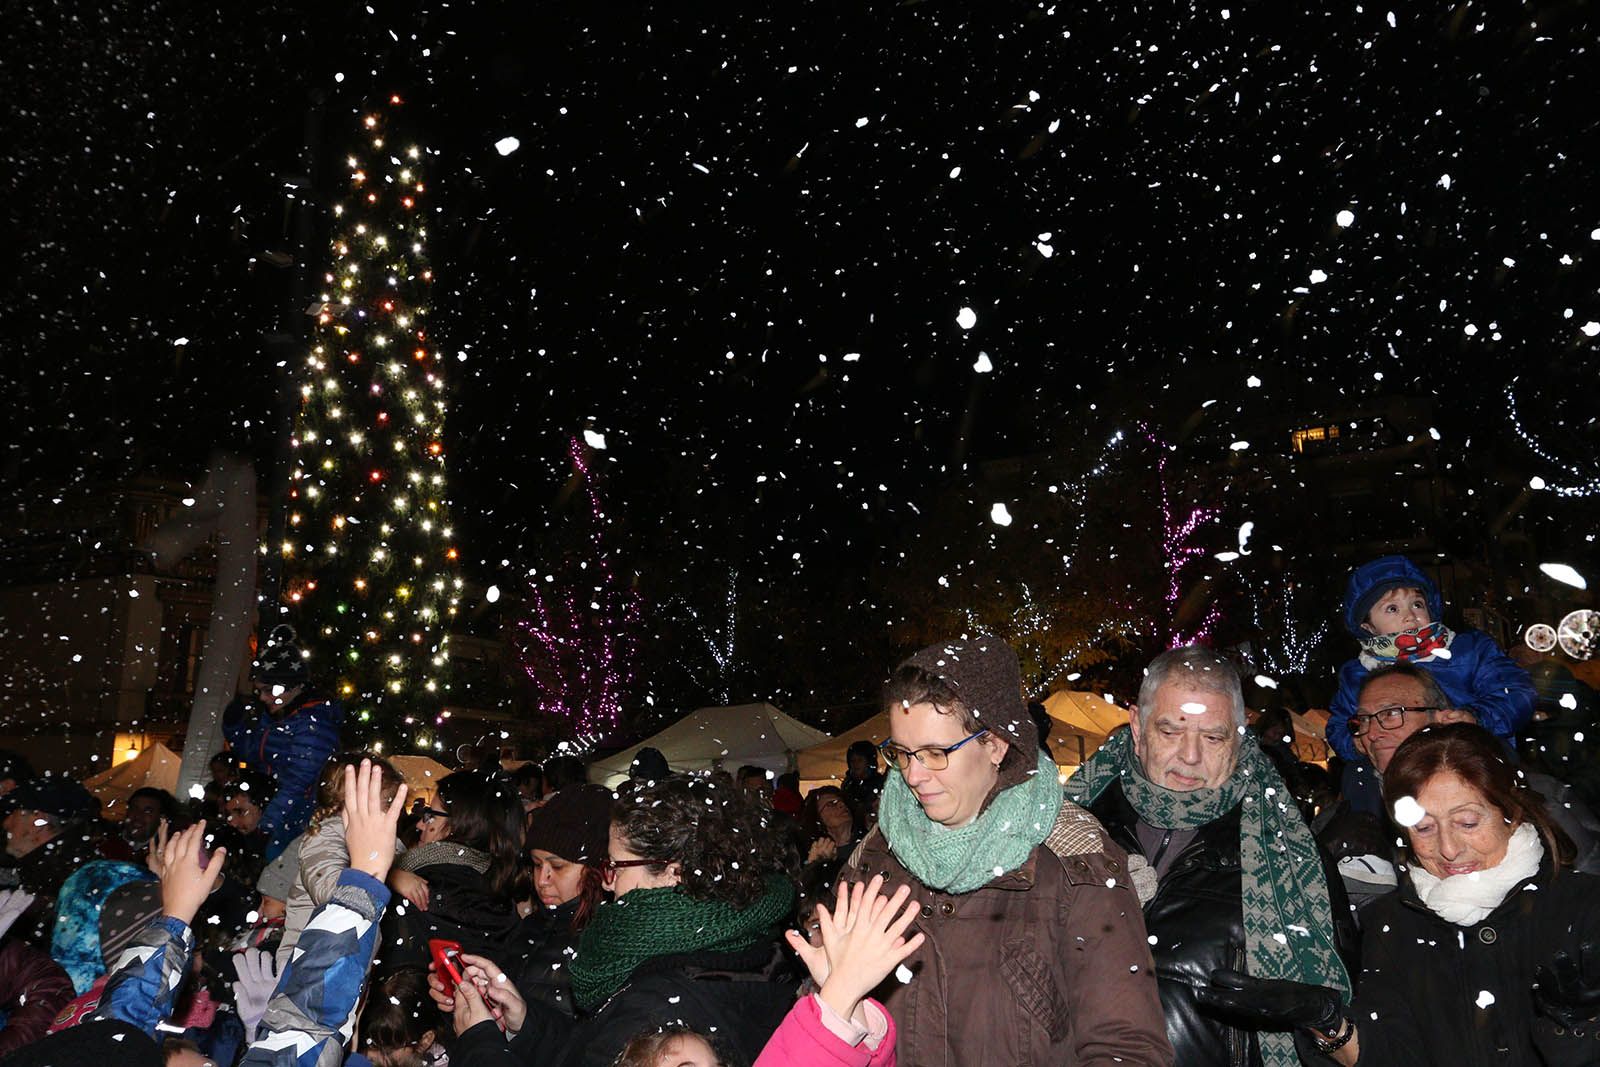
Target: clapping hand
x,y
158,846
187,875
1272,1004
863,940
1568,990
369,824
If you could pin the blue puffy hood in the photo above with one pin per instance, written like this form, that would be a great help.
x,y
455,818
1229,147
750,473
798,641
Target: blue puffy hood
x,y
1371,580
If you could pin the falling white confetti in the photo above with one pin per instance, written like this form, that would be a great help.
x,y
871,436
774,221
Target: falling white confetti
x,y
966,318
492,594
1345,218
1591,329
1564,574
999,515
1192,707
1485,998
596,441
1407,812
1253,382
1568,701
983,366
1444,181
1536,482
903,973
1318,277
507,145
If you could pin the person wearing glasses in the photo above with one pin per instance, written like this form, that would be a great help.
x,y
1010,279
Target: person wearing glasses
x,y
1395,611
1396,702
1035,948
692,939
460,882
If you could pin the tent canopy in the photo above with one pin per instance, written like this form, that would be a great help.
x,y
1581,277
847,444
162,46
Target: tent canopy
x,y
758,734
156,766
421,774
1082,721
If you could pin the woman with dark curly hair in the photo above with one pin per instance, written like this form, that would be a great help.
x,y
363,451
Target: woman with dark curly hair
x,y
691,938
830,825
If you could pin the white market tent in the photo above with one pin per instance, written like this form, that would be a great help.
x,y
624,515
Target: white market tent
x,y
421,774
728,737
156,766
1082,721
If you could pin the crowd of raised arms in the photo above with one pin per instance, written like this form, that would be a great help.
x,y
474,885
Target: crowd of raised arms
x,y
1190,894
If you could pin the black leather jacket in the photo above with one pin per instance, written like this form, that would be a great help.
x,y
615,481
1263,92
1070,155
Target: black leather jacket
x,y
1197,922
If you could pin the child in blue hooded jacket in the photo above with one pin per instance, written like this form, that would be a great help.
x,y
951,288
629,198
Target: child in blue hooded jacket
x,y
1393,609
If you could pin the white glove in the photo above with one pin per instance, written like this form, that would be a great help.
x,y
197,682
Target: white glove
x,y
13,902
258,978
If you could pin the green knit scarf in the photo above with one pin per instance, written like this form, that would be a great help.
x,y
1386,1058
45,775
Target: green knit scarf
x,y
648,923
1288,921
969,857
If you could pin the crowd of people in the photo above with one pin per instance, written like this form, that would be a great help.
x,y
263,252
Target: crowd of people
x,y
1193,894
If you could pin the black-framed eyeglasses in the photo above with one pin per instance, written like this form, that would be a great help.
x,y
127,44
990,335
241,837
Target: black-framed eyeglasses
x,y
933,757
609,867
1389,718
433,813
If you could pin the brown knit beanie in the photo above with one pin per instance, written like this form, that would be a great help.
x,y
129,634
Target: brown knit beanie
x,y
984,675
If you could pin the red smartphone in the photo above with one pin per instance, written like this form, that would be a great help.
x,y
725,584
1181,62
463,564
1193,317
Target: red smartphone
x,y
446,963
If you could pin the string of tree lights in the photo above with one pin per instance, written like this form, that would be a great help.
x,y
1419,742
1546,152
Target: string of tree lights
x,y
370,560
579,641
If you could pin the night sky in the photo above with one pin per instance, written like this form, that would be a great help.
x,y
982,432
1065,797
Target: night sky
x,y
738,241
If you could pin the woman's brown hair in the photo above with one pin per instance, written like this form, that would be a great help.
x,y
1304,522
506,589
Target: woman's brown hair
x,y
1472,754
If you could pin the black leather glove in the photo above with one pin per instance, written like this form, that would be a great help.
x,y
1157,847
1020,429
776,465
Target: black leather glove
x,y
1568,990
1272,1004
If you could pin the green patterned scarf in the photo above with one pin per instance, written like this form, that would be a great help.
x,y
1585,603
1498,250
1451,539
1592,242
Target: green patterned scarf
x,y
1288,921
648,923
968,857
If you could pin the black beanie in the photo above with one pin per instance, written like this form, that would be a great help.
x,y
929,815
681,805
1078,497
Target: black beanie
x,y
575,824
281,661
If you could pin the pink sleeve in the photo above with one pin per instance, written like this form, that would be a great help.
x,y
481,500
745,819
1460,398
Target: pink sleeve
x,y
804,1040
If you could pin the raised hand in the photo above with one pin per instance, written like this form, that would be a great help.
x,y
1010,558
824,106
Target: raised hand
x,y
1568,989
257,978
369,824
1272,1004
187,875
863,940
158,846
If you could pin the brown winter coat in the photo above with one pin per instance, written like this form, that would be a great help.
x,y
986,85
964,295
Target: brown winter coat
x,y
1047,964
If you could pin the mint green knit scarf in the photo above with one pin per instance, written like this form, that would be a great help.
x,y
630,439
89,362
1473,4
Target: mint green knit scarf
x,y
969,857
648,923
1288,919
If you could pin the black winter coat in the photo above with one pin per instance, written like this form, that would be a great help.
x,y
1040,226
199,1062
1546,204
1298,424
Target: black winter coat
x,y
1196,923
540,955
1418,1000
460,908
739,998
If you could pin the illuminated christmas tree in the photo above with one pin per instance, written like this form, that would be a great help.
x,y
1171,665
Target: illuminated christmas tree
x,y
369,558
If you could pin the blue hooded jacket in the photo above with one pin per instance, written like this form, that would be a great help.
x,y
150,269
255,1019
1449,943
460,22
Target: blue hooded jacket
x,y
293,748
1476,676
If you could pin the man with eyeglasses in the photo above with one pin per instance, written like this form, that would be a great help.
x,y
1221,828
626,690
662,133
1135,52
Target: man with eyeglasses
x,y
1035,948
1395,702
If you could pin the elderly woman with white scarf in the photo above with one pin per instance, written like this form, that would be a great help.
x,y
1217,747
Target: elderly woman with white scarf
x,y
1490,950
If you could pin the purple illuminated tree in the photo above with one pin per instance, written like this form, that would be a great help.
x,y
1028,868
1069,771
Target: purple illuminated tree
x,y
1178,550
577,646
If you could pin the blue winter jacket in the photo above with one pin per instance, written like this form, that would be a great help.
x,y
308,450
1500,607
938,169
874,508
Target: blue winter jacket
x,y
312,1011
1476,676
293,748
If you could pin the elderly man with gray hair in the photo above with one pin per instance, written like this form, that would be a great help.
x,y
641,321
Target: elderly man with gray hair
x,y
1236,886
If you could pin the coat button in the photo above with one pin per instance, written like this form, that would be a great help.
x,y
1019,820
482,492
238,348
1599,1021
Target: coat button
x,y
927,910
1488,936
947,908
1079,865
1113,866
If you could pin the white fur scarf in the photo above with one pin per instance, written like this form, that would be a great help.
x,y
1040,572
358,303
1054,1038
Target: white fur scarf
x,y
1467,899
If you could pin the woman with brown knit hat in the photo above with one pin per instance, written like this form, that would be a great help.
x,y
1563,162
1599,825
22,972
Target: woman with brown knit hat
x,y
1035,949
